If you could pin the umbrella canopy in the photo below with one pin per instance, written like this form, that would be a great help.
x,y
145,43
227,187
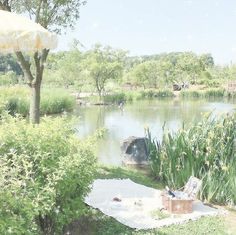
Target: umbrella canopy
x,y
18,33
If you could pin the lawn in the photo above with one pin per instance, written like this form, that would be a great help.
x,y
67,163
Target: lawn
x,y
99,224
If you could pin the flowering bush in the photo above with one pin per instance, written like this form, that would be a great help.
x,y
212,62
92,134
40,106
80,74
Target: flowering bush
x,y
45,174
206,150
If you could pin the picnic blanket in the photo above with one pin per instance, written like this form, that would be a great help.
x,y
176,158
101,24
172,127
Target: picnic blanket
x,y
134,205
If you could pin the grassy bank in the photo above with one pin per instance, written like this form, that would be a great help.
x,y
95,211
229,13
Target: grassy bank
x,y
208,93
135,95
129,96
17,99
100,224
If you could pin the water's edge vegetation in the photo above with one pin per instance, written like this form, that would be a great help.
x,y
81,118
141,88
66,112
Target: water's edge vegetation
x,y
16,100
206,150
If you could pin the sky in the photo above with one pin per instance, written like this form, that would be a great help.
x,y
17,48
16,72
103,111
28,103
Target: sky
x,y
145,27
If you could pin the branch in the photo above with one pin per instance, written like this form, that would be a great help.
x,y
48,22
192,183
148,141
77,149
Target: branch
x,y
37,14
5,6
37,66
53,12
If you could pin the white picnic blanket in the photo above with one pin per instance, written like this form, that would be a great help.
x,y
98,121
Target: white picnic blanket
x,y
138,204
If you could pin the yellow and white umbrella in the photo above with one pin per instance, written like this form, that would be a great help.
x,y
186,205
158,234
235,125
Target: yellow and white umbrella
x,y
17,33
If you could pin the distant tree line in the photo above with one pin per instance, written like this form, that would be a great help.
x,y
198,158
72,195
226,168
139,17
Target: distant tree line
x,y
103,69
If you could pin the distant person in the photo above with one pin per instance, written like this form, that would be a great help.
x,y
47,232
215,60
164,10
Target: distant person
x,y
121,105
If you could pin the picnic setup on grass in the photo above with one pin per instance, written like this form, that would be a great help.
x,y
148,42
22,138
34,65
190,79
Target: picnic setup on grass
x,y
141,207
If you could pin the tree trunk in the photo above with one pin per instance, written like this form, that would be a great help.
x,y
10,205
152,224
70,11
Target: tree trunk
x,y
35,103
34,82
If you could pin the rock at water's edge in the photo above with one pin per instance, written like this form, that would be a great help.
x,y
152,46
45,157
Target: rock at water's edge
x,y
134,151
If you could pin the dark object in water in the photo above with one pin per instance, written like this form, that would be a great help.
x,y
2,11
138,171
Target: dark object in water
x,y
177,87
116,199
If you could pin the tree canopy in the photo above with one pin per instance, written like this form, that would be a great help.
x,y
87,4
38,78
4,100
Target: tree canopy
x,y
54,15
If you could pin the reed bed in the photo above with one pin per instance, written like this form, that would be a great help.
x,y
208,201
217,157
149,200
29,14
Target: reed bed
x,y
206,150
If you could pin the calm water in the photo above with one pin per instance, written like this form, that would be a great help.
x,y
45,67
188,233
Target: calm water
x,y
135,117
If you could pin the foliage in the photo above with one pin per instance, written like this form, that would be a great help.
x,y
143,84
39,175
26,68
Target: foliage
x,y
15,100
52,15
79,69
65,70
152,93
205,150
210,92
165,69
8,63
8,78
56,101
45,173
129,96
118,97
102,64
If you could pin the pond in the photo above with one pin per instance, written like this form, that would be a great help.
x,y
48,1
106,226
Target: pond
x,y
132,120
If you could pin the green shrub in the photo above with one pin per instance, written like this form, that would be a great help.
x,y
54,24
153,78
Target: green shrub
x,y
45,174
206,150
8,78
209,82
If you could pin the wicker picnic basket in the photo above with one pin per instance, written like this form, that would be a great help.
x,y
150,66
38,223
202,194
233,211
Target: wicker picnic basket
x,y
183,205
177,206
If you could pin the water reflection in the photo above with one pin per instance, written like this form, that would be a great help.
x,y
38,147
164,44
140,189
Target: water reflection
x,y
134,117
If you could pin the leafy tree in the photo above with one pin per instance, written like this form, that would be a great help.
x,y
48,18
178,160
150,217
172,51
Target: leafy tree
x,y
9,63
153,73
207,61
167,68
53,15
102,64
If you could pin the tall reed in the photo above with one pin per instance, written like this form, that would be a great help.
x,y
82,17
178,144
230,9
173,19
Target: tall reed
x,y
205,150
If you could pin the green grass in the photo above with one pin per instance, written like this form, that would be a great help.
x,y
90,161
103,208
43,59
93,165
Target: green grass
x,y
207,93
204,226
100,224
140,176
129,96
156,93
16,99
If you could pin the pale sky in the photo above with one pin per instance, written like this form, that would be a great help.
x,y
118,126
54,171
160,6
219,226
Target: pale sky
x,y
145,27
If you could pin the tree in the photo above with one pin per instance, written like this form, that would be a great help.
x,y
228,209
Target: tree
x,y
207,61
53,15
152,73
9,63
103,63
